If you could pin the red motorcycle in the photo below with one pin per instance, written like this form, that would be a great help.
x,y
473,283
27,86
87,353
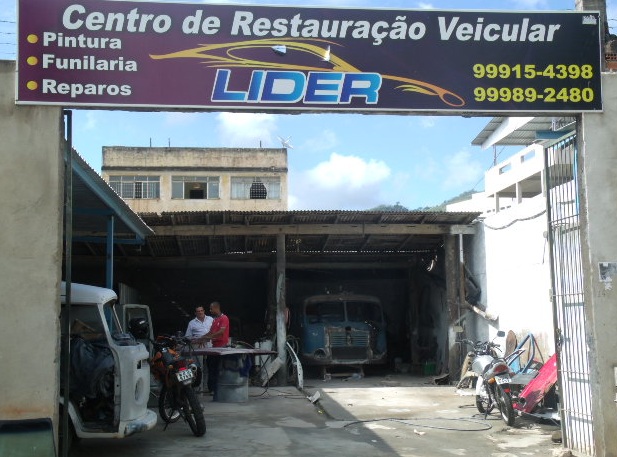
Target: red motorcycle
x,y
178,375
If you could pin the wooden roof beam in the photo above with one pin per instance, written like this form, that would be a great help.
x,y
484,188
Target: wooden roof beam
x,y
314,229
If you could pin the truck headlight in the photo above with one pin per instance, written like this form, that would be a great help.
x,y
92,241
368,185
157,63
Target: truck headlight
x,y
319,354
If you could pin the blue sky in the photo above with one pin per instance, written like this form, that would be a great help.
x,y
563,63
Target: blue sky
x,y
338,161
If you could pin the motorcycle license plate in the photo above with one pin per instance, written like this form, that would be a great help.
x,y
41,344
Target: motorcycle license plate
x,y
502,379
184,375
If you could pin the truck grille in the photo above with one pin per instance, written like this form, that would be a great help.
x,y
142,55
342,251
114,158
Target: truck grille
x,y
349,345
350,353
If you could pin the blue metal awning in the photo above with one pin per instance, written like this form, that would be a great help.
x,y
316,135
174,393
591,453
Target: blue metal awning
x,y
94,202
101,216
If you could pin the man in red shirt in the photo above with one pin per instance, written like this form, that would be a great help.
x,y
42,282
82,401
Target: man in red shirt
x,y
219,334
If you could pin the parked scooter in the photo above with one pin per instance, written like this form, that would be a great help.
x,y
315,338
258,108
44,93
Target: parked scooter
x,y
178,375
493,387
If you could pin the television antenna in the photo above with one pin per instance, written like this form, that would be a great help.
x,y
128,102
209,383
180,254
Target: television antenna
x,y
286,142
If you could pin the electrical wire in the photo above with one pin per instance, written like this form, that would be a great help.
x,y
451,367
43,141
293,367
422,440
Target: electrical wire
x,y
495,159
514,221
483,425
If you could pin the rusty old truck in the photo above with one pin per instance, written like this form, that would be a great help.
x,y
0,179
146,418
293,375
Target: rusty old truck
x,y
342,329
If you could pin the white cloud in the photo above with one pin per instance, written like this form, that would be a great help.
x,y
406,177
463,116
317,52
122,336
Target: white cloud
x,y
425,6
341,182
531,4
176,118
91,121
428,122
401,180
426,168
324,142
461,170
246,129
348,172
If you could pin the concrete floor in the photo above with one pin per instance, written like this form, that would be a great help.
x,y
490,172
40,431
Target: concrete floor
x,y
395,415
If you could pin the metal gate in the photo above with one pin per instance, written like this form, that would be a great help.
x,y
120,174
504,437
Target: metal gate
x,y
567,295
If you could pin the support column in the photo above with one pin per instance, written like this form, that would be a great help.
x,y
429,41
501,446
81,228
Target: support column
x,y
281,308
453,302
272,305
598,194
414,297
109,270
519,193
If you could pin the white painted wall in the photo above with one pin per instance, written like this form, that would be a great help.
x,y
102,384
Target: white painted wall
x,y
509,259
517,272
30,254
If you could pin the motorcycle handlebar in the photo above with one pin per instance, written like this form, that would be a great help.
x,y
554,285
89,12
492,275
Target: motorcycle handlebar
x,y
171,341
478,345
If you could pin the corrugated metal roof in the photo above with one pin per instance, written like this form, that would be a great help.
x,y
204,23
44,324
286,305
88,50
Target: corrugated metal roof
x,y
250,218
94,200
243,235
525,135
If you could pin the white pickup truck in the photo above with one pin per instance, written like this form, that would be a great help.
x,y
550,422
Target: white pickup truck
x,y
109,382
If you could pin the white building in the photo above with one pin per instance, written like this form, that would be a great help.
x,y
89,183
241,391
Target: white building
x,y
509,256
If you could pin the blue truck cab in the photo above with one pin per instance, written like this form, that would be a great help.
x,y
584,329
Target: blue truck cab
x,y
343,329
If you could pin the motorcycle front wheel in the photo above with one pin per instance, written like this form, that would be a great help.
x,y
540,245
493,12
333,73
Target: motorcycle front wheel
x,y
504,403
193,412
168,410
483,400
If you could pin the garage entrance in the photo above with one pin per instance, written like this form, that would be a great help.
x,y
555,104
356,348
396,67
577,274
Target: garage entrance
x,y
195,258
314,78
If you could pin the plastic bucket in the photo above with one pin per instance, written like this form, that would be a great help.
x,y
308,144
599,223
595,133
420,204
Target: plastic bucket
x,y
429,368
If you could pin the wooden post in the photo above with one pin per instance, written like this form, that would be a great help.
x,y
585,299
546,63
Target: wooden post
x,y
281,309
413,316
452,299
272,305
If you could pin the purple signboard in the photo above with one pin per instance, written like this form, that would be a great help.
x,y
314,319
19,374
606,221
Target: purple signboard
x,y
129,54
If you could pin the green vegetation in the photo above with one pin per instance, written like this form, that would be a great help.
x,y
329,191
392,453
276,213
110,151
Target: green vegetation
x,y
441,207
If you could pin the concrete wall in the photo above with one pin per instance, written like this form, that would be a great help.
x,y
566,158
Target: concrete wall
x,y
31,170
509,259
518,272
221,162
599,218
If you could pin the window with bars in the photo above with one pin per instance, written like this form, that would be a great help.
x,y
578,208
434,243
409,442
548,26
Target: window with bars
x,y
146,187
195,187
255,188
